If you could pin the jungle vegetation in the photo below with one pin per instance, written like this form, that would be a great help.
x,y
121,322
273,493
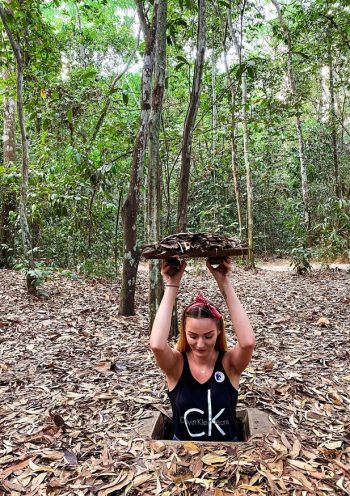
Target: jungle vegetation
x,y
125,121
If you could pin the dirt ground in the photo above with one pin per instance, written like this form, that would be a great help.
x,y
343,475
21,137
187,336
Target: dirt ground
x,y
283,265
76,379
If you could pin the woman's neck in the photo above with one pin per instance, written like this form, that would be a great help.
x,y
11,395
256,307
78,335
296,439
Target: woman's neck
x,y
206,361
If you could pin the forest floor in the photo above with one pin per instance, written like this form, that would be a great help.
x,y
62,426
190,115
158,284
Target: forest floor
x,y
76,378
284,265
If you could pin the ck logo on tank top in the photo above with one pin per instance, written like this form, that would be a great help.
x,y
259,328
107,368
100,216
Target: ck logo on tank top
x,y
210,421
219,376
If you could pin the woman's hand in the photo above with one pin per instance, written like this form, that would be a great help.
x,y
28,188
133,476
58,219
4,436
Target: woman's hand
x,y
222,272
172,275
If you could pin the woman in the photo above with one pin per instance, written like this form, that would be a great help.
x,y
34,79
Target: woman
x,y
202,375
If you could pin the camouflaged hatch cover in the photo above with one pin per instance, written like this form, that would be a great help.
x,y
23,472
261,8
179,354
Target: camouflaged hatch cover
x,y
188,245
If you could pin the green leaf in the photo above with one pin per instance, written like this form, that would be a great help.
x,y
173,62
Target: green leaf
x,y
180,22
77,158
182,59
125,97
225,4
242,68
178,66
250,71
70,116
302,54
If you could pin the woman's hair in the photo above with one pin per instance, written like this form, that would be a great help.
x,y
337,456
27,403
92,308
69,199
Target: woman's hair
x,y
201,309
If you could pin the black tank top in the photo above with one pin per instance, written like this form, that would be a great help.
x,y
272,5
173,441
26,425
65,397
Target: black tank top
x,y
204,412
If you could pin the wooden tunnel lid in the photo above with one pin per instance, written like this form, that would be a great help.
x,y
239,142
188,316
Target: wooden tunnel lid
x,y
195,245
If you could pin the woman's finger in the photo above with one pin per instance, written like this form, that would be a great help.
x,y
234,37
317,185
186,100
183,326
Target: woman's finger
x,y
165,267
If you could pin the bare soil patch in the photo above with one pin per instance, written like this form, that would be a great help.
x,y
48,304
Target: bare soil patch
x,y
283,265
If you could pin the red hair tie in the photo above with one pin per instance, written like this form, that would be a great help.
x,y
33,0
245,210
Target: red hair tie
x,y
201,301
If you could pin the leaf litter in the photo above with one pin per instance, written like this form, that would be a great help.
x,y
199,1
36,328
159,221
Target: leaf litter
x,y
76,379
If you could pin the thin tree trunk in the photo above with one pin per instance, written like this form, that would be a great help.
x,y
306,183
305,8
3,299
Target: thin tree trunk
x,y
82,54
214,118
154,169
131,204
26,238
333,124
234,157
116,235
144,229
235,165
250,221
190,120
298,125
166,182
342,106
270,240
8,197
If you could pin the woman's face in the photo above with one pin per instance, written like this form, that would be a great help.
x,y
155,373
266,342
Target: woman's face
x,y
201,334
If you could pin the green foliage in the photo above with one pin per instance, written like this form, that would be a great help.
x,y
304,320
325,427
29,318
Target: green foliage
x,y
35,276
300,260
333,231
79,172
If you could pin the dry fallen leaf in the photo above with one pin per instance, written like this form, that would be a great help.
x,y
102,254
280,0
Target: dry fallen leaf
x,y
141,479
300,464
333,445
70,457
296,449
252,489
121,481
39,468
323,322
191,447
293,421
13,468
268,366
211,459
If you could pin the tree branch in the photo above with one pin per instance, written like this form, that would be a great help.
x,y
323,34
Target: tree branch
x,y
109,97
15,47
143,18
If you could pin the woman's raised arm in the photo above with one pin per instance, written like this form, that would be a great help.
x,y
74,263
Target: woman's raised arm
x,y
166,357
240,355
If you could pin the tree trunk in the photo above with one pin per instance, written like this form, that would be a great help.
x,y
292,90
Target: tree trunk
x,y
214,118
154,169
298,125
130,207
332,119
235,165
82,54
234,157
190,120
250,221
26,238
116,235
303,174
8,197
